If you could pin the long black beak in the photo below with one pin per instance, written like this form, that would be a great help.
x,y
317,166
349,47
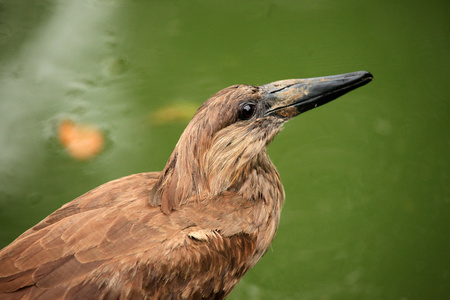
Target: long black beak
x,y
288,98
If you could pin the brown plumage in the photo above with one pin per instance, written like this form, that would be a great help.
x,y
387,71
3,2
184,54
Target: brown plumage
x,y
188,232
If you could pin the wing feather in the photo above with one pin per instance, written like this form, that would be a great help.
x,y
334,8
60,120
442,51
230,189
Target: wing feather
x,y
31,260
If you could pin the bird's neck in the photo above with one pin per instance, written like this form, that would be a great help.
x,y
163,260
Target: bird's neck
x,y
235,159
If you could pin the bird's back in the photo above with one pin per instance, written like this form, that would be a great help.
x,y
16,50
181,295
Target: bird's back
x,y
48,257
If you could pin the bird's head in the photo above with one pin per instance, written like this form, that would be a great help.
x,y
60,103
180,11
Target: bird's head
x,y
227,137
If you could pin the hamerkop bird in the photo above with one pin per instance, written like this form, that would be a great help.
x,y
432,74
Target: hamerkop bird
x,y
188,232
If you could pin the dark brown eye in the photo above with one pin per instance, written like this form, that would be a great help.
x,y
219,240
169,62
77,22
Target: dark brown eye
x,y
247,111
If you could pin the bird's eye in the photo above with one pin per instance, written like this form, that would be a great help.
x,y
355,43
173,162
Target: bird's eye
x,y
247,111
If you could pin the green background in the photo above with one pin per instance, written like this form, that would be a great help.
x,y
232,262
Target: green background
x,y
366,177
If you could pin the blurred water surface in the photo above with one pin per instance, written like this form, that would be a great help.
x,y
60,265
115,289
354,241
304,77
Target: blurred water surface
x,y
366,177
